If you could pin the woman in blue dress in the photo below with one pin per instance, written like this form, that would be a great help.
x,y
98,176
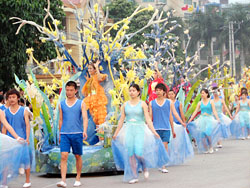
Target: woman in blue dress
x,y
241,123
180,148
136,145
220,105
13,154
205,129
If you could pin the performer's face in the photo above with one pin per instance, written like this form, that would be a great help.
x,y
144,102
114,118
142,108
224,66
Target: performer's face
x,y
155,75
133,92
204,95
91,70
13,99
171,95
159,92
70,91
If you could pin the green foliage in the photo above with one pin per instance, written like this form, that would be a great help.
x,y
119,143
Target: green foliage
x,y
192,108
191,92
13,47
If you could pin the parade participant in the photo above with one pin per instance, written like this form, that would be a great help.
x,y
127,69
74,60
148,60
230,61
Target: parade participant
x,y
160,111
180,148
185,86
234,104
157,79
18,118
225,121
240,125
13,154
137,145
95,98
73,124
205,129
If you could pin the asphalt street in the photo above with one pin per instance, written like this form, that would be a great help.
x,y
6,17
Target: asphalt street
x,y
228,167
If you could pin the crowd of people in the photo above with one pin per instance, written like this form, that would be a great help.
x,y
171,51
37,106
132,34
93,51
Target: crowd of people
x,y
150,134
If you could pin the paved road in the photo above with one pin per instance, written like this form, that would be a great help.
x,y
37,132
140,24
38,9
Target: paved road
x,y
227,168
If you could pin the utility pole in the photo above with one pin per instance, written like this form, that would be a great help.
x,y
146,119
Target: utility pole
x,y
233,51
230,49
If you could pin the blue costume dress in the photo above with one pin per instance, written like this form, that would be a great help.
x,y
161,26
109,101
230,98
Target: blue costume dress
x,y
205,129
13,155
241,123
135,141
179,148
225,120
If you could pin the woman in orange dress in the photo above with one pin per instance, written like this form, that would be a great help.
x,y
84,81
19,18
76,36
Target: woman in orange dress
x,y
95,98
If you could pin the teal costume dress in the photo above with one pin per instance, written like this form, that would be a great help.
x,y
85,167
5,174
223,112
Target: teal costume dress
x,y
225,120
204,127
136,141
241,123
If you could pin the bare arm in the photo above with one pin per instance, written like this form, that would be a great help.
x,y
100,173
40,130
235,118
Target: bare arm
x,y
182,113
148,120
237,110
60,118
214,111
195,112
99,75
27,123
7,125
85,121
157,70
121,121
226,108
150,111
171,121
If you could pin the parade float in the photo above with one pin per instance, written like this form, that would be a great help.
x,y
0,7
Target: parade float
x,y
123,62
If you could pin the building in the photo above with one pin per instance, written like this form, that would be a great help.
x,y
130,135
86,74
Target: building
x,y
184,8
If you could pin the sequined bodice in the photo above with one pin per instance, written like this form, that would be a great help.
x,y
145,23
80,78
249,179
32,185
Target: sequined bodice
x,y
218,106
134,113
206,109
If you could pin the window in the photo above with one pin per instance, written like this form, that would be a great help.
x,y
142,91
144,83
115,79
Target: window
x,y
163,1
195,4
148,1
188,2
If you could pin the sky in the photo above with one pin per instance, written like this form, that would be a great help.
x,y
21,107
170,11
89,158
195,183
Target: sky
x,y
233,1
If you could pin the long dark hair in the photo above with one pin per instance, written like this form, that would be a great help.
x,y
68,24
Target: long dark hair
x,y
206,91
137,87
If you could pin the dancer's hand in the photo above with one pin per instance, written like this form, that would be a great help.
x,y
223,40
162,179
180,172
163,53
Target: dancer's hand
x,y
85,136
59,138
157,135
97,64
114,137
28,141
174,134
20,140
184,124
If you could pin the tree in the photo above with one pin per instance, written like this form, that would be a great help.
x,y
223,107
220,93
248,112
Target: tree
x,y
13,47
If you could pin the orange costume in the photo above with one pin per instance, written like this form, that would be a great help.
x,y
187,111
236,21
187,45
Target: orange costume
x,y
95,98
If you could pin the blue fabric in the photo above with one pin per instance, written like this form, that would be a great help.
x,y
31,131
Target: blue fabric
x,y
136,148
225,123
17,122
180,148
72,140
240,126
164,134
13,155
3,108
205,129
161,115
72,118
218,106
177,108
206,108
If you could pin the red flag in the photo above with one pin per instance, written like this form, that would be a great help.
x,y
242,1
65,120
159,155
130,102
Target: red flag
x,y
185,8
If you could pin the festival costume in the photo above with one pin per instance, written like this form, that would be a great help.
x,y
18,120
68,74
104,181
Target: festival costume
x,y
17,121
72,127
151,89
135,141
179,148
204,127
225,121
241,123
13,155
95,98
